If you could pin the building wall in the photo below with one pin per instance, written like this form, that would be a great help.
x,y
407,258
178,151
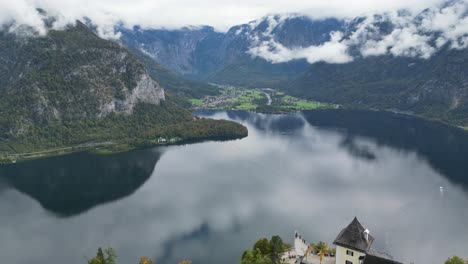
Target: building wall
x,y
341,256
300,247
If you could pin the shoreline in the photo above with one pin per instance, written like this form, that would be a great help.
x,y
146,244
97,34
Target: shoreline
x,y
110,147
102,148
407,114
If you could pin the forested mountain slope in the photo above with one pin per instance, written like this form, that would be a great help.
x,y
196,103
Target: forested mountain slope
x,y
71,87
436,87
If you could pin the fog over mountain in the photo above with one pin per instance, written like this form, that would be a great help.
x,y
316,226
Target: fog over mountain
x,y
399,33
176,14
405,56
371,28
413,61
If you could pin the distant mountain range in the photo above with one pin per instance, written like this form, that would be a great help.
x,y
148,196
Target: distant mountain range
x,y
71,87
201,53
404,62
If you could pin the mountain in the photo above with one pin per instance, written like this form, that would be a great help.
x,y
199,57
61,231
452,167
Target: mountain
x,y
414,63
435,87
74,65
71,87
173,49
411,63
182,87
204,54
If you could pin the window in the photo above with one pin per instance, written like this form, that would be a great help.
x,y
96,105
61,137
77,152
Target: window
x,y
349,262
349,253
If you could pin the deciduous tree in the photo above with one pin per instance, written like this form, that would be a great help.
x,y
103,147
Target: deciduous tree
x,y
263,245
106,256
276,249
146,260
456,260
254,257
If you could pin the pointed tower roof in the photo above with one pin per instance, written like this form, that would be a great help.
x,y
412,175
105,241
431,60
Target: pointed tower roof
x,y
353,237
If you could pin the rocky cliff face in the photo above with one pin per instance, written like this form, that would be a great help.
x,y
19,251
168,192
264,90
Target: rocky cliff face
x,y
70,87
68,75
146,91
204,54
174,49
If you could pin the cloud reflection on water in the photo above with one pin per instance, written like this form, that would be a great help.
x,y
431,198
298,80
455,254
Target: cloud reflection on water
x,y
209,201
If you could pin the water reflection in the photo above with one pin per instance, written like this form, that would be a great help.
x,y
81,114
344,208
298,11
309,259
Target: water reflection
x,y
264,122
69,185
209,201
445,147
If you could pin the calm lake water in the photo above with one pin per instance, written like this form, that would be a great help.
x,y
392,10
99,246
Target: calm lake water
x,y
311,172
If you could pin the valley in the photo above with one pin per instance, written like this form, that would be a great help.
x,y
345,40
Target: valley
x,y
180,131
276,51
263,100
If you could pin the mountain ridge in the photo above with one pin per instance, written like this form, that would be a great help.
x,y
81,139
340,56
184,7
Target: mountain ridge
x,y
71,87
390,61
211,55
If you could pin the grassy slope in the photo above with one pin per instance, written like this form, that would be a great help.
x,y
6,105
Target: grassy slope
x,y
256,100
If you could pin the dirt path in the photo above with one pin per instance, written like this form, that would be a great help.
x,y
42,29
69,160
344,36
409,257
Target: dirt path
x,y
28,155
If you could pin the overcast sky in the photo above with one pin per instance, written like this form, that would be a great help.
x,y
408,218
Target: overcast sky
x,y
177,13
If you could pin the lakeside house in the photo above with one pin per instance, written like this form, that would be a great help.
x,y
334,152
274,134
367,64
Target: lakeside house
x,y
354,246
161,140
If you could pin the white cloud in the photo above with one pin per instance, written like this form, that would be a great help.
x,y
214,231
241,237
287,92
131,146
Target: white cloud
x,y
413,34
411,37
179,13
20,13
333,51
401,42
420,35
452,22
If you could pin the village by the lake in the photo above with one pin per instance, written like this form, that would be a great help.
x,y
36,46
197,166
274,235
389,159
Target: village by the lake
x,y
265,100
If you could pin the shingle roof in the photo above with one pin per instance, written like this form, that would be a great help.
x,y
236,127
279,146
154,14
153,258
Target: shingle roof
x,y
374,257
352,237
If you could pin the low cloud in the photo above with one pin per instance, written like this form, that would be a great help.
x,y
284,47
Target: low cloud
x,y
333,51
16,14
401,42
417,35
417,32
174,14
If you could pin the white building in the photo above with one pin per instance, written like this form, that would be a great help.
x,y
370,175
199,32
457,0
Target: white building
x,y
300,245
353,246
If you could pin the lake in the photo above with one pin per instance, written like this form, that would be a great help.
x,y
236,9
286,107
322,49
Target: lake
x,y
208,202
